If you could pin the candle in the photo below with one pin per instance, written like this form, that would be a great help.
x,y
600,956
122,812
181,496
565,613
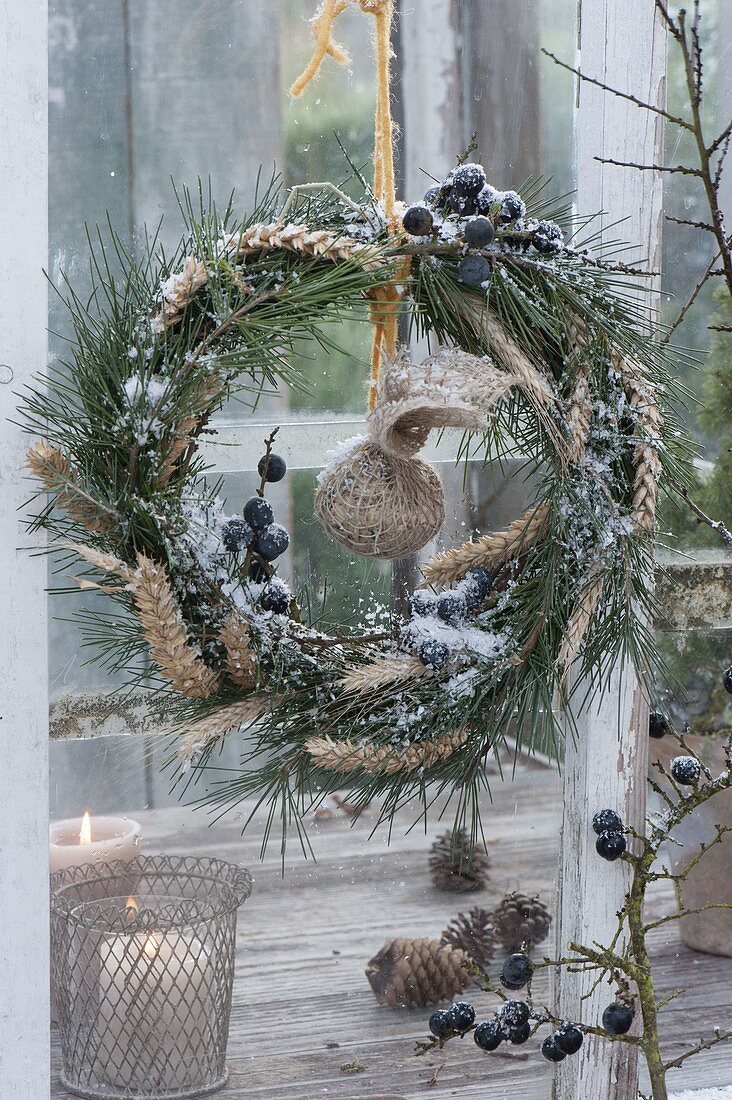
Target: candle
x,y
100,840
92,840
155,1009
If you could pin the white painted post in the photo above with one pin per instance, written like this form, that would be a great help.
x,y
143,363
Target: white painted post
x,y
607,765
24,986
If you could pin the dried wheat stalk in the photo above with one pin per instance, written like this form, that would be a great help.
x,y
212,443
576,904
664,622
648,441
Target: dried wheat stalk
x,y
488,550
166,634
366,678
107,563
346,756
579,415
187,428
214,727
265,236
241,664
648,466
579,624
178,290
51,466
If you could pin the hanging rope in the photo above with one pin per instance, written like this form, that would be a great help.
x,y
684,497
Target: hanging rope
x,y
384,310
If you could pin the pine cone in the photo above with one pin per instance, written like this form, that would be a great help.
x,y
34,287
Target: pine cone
x,y
417,971
454,867
521,922
473,933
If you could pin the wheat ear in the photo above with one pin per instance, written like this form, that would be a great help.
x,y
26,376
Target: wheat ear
x,y
579,623
215,726
346,756
362,679
166,634
51,466
241,663
488,550
107,563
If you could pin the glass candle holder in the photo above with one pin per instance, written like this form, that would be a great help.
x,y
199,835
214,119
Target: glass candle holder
x,y
144,976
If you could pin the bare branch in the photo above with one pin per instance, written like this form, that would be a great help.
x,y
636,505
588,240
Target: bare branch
x,y
682,169
702,517
676,119
705,1044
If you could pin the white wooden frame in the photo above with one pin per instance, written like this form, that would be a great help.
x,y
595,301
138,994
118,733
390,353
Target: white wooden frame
x,y
613,46
24,943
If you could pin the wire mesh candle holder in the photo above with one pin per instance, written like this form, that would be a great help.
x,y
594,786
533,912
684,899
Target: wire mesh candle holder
x,y
144,981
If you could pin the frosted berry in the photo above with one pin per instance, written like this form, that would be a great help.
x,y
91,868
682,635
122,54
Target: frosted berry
x,y
433,653
276,467
519,1035
513,1014
422,603
658,724
727,680
617,1018
473,270
479,232
686,770
432,194
461,1015
462,205
258,512
272,541
551,1049
276,597
607,821
610,846
485,199
569,1038
547,238
237,535
418,221
517,971
439,1024
512,206
488,1035
476,586
468,180
257,572
451,608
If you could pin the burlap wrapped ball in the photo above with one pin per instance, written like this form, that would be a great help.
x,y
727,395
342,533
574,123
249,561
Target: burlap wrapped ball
x,y
378,505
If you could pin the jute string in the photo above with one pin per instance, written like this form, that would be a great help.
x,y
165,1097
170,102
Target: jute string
x,y
385,308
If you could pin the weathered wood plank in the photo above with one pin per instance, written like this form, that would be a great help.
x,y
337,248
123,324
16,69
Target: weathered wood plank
x,y
24,989
607,763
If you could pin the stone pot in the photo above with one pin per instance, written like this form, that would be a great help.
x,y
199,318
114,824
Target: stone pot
x,y
710,882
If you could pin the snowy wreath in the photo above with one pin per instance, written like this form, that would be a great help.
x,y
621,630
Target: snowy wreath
x,y
539,348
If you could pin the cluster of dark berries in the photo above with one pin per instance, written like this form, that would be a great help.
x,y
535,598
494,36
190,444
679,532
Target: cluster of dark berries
x,y
610,842
567,1039
257,532
511,1024
467,194
455,1020
451,608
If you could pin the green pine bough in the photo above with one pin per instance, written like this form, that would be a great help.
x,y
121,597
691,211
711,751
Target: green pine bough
x,y
633,1014
163,343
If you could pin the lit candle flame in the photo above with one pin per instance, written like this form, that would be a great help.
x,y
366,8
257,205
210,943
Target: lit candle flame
x,y
85,830
151,947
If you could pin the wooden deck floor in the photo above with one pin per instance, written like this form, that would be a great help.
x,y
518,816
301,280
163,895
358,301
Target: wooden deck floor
x,y
302,1007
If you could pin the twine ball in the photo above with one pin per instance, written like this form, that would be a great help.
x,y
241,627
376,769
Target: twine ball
x,y
378,505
